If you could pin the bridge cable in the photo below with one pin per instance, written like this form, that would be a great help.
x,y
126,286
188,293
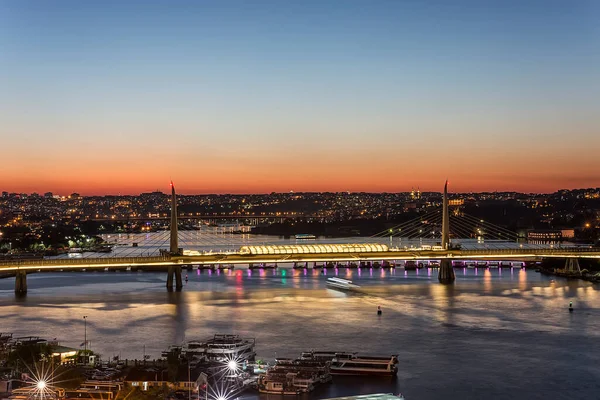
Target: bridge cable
x,y
406,223
424,224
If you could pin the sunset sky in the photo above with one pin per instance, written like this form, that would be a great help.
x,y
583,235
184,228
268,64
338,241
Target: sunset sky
x,y
107,97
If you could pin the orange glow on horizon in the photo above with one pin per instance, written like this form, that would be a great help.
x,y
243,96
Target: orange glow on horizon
x,y
191,185
92,173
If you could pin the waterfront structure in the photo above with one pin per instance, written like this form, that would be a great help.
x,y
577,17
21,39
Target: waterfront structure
x,y
145,378
63,354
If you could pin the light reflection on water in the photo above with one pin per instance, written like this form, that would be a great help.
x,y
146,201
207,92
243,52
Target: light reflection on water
x,y
479,337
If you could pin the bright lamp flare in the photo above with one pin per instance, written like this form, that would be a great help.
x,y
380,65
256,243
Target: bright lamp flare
x,y
232,366
221,398
41,385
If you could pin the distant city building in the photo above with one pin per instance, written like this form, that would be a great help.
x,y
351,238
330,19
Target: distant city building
x,y
48,195
410,206
75,195
544,235
415,195
568,233
456,202
156,195
4,195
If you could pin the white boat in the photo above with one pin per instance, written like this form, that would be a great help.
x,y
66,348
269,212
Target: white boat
x,y
353,364
221,347
339,283
364,366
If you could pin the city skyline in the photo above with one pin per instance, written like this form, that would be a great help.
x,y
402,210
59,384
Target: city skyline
x,y
415,191
233,97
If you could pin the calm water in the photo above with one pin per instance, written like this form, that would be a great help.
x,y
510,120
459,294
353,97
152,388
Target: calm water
x,y
499,334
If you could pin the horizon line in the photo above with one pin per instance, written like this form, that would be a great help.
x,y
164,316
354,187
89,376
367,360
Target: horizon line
x,y
294,192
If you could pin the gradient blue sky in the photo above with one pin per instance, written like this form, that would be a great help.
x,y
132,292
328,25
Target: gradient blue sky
x,y
260,96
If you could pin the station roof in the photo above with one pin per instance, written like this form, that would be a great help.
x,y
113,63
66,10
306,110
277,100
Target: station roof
x,y
314,248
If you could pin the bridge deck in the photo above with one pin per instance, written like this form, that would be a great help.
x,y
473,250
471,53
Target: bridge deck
x,y
237,258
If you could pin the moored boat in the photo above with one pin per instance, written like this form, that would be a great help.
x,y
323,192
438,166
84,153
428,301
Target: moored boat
x,y
221,348
353,364
277,385
364,366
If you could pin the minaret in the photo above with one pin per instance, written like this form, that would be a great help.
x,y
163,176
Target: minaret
x,y
445,219
174,249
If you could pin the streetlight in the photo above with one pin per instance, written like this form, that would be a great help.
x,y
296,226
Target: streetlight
x,y
232,365
85,339
41,385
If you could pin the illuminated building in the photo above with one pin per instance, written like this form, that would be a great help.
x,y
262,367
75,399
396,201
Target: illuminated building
x,y
550,235
314,248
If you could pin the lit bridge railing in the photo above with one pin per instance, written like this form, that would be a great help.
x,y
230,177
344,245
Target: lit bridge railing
x,y
240,258
85,261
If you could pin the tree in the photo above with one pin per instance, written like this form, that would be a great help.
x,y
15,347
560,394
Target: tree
x,y
29,354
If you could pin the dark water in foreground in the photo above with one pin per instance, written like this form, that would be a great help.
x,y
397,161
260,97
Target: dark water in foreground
x,y
496,335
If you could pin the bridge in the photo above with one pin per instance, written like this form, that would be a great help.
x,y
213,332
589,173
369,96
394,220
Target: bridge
x,y
304,254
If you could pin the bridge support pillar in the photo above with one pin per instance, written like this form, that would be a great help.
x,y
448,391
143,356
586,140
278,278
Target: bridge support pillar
x,y
178,281
170,274
446,272
174,273
21,282
572,265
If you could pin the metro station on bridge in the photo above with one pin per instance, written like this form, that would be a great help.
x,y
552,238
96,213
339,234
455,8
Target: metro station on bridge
x,y
313,248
